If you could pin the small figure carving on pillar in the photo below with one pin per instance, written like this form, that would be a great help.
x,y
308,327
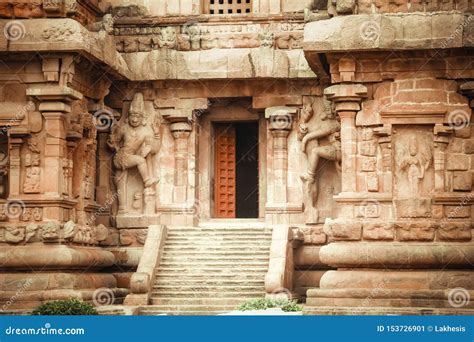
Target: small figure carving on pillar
x,y
3,173
33,174
135,142
328,128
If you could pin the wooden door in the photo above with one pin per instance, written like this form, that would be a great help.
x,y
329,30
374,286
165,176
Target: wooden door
x,y
224,186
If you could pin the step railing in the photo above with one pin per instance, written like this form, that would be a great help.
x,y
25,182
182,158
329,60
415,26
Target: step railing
x,y
141,282
279,278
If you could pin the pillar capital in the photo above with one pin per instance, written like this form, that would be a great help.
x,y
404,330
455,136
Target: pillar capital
x,y
281,118
55,94
181,129
346,97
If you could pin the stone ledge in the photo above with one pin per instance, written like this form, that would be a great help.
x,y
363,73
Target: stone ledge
x,y
397,255
395,31
64,35
345,310
54,257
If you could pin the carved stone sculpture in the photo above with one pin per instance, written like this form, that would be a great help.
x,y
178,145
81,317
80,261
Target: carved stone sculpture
x,y
33,173
50,231
14,234
135,142
164,61
31,230
328,128
267,61
415,164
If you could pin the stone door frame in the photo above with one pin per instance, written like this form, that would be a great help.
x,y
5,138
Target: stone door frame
x,y
227,114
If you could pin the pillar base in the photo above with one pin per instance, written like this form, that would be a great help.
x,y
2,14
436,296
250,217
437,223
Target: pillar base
x,y
371,291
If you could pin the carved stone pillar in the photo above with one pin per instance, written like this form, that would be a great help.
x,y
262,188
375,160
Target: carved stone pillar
x,y
280,125
441,141
347,99
385,141
55,104
15,163
181,132
182,209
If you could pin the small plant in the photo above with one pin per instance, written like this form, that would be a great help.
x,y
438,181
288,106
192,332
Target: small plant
x,y
267,303
65,307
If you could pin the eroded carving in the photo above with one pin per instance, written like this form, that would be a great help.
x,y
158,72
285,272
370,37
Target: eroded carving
x,y
320,143
266,61
136,140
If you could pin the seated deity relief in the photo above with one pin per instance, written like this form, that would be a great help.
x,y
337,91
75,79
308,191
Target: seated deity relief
x,y
136,140
320,140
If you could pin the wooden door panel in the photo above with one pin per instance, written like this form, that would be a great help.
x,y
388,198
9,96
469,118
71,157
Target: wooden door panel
x,y
224,188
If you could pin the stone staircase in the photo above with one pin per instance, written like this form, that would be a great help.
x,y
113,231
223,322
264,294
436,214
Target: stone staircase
x,y
209,270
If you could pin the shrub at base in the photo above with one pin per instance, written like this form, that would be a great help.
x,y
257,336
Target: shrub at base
x,y
266,303
65,307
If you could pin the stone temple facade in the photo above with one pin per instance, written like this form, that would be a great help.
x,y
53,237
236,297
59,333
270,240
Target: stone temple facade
x,y
182,156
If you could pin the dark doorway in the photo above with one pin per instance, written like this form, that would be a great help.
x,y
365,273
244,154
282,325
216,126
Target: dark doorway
x,y
247,170
236,170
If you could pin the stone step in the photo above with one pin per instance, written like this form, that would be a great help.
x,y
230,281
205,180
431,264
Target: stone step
x,y
186,309
203,281
235,301
184,313
217,237
221,236
222,253
221,233
209,287
247,264
222,228
199,258
220,242
214,248
211,271
207,294
163,276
